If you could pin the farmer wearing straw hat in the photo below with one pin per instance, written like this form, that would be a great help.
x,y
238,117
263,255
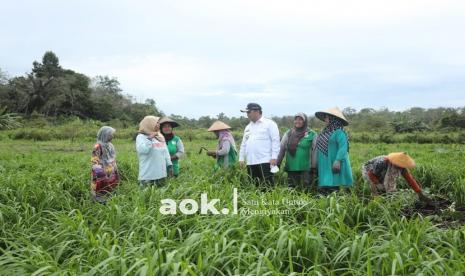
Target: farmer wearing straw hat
x,y
173,142
296,146
225,153
154,159
382,171
332,152
260,146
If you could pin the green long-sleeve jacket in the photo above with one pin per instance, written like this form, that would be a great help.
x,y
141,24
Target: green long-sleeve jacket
x,y
337,150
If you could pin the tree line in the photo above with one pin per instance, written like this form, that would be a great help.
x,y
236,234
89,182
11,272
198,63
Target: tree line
x,y
52,91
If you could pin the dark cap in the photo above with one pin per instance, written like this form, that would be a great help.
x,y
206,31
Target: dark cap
x,y
252,106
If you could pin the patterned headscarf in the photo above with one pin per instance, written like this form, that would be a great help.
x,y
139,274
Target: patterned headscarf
x,y
323,137
103,139
297,134
147,127
225,135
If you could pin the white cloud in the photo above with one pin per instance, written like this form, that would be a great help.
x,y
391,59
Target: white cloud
x,y
298,52
170,72
315,14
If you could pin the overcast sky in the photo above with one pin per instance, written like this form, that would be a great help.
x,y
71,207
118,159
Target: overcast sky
x,y
203,57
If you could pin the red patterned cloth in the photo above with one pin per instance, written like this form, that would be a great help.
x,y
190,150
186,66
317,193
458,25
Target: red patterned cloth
x,y
105,176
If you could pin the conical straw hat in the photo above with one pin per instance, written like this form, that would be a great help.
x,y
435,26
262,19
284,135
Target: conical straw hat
x,y
168,120
218,125
336,112
401,159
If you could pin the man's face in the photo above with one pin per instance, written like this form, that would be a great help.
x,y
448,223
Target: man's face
x,y
253,115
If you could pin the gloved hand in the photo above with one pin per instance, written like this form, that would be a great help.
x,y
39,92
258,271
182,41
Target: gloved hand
x,y
313,176
211,153
314,171
424,197
99,172
336,166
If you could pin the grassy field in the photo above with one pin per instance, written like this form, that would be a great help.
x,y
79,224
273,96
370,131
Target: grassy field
x,y
48,225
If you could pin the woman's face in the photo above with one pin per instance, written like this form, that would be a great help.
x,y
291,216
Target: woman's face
x,y
217,133
110,137
166,129
298,122
327,119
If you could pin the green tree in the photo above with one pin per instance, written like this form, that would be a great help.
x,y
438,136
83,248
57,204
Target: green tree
x,y
49,68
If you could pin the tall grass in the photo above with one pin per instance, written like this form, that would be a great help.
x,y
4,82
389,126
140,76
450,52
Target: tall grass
x,y
48,225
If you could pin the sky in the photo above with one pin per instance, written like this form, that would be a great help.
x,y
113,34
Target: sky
x,y
204,57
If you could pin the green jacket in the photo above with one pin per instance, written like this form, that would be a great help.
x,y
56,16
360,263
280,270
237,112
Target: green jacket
x,y
175,147
231,156
337,150
301,161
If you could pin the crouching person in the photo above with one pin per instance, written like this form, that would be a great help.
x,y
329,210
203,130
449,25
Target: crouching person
x,y
382,171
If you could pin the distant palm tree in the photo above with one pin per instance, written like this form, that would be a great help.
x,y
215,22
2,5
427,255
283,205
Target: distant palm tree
x,y
8,120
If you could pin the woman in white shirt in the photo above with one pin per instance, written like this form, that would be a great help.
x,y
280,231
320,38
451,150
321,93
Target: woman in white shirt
x,y
154,159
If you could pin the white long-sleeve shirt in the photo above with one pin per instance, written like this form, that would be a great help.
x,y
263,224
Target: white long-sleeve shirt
x,y
153,158
260,143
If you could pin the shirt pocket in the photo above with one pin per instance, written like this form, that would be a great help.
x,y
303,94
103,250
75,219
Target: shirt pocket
x,y
262,134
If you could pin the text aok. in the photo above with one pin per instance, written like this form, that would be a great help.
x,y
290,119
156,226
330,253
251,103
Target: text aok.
x,y
191,206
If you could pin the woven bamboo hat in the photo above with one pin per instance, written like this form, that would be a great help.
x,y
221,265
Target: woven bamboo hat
x,y
336,112
218,125
165,120
401,159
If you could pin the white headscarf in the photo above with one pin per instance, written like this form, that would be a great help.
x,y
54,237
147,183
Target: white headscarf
x,y
147,127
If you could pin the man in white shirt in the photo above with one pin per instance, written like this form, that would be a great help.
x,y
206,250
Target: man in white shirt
x,y
260,145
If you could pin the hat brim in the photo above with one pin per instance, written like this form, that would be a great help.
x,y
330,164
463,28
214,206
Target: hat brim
x,y
173,124
406,162
218,129
321,115
247,110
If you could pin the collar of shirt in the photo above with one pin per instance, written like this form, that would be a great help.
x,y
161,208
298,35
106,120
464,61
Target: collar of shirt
x,y
261,120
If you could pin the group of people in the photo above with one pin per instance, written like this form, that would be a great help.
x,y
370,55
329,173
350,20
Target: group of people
x,y
307,156
158,150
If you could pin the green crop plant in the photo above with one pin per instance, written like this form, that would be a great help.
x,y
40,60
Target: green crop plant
x,y
49,225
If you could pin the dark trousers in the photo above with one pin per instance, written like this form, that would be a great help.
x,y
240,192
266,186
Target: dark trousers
x,y
261,174
299,179
328,190
157,183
